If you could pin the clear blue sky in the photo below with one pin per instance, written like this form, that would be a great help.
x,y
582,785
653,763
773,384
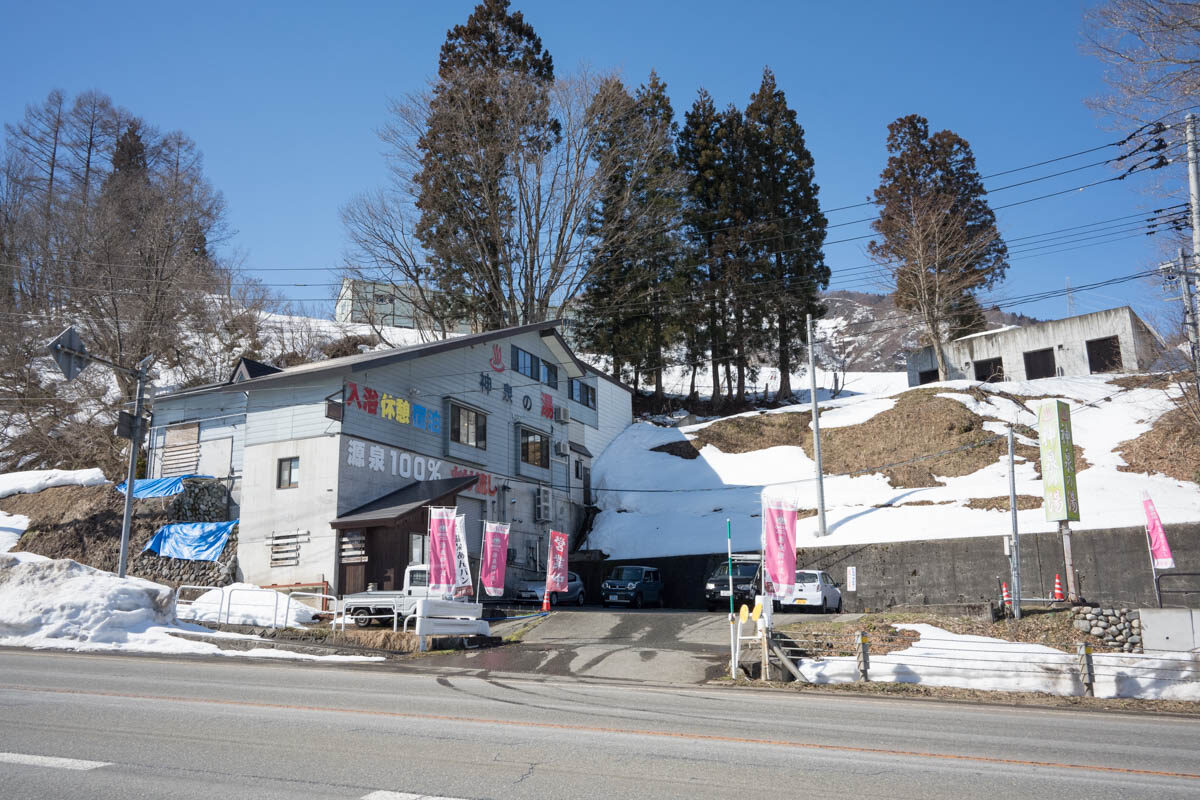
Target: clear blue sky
x,y
284,100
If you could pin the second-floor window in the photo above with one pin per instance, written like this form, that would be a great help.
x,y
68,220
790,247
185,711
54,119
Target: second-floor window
x,y
468,426
526,363
535,448
582,393
289,473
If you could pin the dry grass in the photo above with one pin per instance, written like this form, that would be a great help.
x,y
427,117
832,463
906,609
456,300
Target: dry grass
x,y
1171,446
1025,502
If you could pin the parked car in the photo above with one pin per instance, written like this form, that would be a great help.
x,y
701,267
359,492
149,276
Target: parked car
x,y
637,586
745,584
814,589
534,591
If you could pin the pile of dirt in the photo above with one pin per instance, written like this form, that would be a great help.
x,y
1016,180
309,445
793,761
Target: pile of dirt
x,y
1171,446
1024,503
883,443
83,523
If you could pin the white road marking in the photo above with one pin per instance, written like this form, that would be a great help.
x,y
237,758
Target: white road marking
x,y
50,761
381,795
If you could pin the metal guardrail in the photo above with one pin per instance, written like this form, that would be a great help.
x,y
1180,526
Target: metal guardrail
x,y
274,609
191,603
287,608
1159,591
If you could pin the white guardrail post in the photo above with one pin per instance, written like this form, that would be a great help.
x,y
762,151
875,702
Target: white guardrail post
x,y
191,603
287,608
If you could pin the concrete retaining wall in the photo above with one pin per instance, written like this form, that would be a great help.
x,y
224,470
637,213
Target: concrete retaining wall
x,y
1113,566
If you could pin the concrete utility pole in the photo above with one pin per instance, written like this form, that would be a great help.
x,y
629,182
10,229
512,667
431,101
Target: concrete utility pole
x,y
1015,558
816,426
1191,323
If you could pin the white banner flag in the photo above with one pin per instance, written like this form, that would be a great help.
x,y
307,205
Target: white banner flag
x,y
462,583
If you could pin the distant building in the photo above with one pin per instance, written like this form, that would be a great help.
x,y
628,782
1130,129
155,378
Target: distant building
x,y
1116,340
385,304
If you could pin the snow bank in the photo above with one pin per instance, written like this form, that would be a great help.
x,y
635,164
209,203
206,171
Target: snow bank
x,y
656,504
11,528
941,658
246,604
34,481
61,604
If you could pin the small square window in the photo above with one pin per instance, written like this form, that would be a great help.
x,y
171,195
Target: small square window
x,y
288,476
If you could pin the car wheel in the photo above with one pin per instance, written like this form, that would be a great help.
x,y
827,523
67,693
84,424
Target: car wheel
x,y
579,598
554,598
361,616
711,608
637,601
604,604
838,610
824,606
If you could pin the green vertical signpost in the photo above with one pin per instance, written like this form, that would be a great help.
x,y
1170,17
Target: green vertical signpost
x,y
1060,494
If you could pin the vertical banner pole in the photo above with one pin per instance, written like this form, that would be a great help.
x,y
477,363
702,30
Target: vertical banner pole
x,y
482,545
1016,536
729,568
816,426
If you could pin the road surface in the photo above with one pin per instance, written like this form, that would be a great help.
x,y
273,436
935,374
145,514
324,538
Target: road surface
x,y
107,726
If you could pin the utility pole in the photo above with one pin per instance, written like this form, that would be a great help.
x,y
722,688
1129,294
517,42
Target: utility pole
x,y
816,426
1015,558
1194,202
1190,320
72,357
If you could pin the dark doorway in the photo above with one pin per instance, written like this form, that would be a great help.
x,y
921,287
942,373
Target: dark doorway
x,y
1104,355
1039,364
587,485
927,376
989,370
387,555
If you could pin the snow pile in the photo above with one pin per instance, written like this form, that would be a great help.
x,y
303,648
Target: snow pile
x,y
941,658
247,604
657,504
60,604
34,481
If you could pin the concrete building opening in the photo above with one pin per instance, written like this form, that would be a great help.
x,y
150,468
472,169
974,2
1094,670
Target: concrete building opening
x,y
928,376
1104,355
989,370
1039,364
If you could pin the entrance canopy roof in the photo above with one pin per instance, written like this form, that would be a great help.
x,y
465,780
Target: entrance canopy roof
x,y
389,508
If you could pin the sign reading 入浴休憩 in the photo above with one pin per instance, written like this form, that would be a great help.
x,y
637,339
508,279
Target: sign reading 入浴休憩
x,y
391,407
1059,491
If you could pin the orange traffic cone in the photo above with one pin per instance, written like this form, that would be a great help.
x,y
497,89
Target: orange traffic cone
x,y
1005,595
1058,592
545,602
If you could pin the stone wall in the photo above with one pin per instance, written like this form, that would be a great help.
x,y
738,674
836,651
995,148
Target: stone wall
x,y
1118,628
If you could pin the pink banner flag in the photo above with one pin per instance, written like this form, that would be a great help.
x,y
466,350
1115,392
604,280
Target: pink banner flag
x,y
443,570
1160,551
779,545
495,555
556,565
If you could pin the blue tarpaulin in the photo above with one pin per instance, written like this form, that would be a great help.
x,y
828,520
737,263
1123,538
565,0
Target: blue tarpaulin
x,y
195,541
158,487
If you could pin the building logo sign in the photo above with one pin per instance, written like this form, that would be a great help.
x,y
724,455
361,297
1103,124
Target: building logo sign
x,y
486,484
392,408
391,461
497,362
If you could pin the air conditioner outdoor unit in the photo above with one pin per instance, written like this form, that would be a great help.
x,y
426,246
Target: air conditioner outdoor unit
x,y
562,414
541,510
560,449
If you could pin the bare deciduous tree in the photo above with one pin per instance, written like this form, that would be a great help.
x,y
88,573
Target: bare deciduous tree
x,y
523,248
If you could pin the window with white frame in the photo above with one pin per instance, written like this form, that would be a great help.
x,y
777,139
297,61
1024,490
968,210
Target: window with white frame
x,y
535,448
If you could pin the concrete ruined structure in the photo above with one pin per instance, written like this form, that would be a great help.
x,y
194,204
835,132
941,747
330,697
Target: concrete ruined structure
x,y
1116,340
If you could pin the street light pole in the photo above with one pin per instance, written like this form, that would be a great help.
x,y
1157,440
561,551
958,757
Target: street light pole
x,y
816,426
135,441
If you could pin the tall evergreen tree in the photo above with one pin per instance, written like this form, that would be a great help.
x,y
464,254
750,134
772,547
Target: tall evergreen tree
x,y
627,307
789,228
938,236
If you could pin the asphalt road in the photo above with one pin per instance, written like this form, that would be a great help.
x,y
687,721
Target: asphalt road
x,y
122,727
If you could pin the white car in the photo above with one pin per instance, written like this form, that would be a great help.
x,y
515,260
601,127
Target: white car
x,y
814,589
533,591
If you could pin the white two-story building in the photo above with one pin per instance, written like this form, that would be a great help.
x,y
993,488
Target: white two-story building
x,y
334,464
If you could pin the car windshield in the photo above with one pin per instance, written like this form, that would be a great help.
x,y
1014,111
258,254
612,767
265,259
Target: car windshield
x,y
627,574
740,570
806,577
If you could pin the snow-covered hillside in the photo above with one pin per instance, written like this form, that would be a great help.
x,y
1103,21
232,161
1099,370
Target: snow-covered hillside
x,y
658,504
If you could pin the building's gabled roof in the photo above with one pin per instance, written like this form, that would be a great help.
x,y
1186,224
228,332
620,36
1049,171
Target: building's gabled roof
x,y
380,358
249,369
